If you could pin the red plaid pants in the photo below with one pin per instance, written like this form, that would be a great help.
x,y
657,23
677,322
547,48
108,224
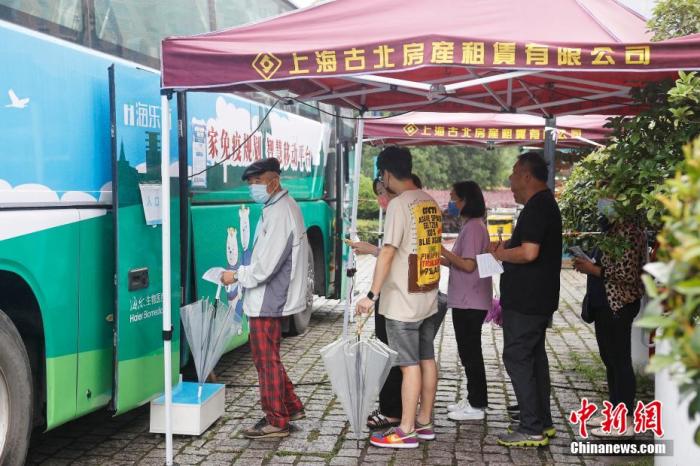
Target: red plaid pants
x,y
277,396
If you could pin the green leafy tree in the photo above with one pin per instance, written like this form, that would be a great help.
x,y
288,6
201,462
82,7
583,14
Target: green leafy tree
x,y
578,209
440,166
367,206
675,18
644,151
368,230
654,178
674,283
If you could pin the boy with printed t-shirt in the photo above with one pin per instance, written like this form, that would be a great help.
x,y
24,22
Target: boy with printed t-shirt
x,y
407,274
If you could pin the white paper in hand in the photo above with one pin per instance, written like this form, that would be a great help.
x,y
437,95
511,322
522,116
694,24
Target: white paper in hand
x,y
488,265
214,275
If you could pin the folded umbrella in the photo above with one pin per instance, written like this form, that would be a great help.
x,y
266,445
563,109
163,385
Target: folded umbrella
x,y
357,368
209,327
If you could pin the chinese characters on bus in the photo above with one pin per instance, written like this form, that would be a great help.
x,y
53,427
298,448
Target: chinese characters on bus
x,y
142,115
242,149
142,307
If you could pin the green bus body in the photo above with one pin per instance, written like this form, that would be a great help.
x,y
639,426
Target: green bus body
x,y
66,251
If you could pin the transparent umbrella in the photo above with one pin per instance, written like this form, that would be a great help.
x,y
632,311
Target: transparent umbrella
x,y
357,368
208,328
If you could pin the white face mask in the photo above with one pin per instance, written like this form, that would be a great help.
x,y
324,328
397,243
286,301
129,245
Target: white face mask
x,y
258,192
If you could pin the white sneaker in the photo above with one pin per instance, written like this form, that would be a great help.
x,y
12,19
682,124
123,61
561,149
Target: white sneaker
x,y
467,414
464,403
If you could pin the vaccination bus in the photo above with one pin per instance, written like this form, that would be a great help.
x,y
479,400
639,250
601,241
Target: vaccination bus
x,y
80,233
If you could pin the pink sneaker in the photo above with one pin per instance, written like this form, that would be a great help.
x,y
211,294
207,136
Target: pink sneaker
x,y
425,431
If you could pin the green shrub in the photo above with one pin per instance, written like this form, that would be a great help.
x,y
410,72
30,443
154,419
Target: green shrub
x,y
367,230
643,152
674,285
367,206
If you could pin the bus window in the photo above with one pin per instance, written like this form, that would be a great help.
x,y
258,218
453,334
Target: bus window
x,y
139,25
61,18
232,13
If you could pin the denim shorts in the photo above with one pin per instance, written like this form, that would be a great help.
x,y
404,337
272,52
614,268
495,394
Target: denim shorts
x,y
412,340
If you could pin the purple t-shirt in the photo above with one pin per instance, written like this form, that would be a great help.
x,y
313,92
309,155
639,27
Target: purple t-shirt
x,y
466,290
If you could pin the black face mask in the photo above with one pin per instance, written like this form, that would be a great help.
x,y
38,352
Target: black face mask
x,y
603,223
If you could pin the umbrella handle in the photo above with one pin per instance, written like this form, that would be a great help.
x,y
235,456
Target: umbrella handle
x,y
360,323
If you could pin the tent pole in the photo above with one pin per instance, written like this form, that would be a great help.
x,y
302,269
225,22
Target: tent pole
x,y
550,142
353,219
167,324
356,175
380,229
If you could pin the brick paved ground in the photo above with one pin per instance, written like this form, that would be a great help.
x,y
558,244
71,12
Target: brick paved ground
x,y
323,437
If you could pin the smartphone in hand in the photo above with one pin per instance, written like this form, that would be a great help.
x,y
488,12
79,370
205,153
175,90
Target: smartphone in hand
x,y
576,251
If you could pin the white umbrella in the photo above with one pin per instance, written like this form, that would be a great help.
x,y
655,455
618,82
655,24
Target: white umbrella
x,y
209,327
357,368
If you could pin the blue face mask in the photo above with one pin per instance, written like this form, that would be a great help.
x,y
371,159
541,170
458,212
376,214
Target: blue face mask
x,y
258,192
452,209
606,208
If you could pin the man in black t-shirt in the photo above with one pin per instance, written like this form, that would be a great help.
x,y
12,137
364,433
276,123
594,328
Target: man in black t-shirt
x,y
529,297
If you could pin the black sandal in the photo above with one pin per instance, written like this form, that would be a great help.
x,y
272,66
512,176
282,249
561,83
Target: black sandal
x,y
376,420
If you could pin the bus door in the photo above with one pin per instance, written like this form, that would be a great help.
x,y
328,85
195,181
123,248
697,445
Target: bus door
x,y
136,132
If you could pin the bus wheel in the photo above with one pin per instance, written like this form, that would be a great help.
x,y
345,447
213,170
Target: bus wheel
x,y
15,395
300,321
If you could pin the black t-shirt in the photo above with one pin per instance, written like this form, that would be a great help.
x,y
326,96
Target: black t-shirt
x,y
533,288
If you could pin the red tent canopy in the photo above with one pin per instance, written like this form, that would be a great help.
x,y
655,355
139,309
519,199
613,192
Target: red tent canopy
x,y
535,56
482,129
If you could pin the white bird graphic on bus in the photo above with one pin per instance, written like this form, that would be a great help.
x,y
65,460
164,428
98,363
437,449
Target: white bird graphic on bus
x,y
16,102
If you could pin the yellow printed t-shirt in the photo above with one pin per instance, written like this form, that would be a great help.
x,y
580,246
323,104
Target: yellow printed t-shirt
x,y
414,227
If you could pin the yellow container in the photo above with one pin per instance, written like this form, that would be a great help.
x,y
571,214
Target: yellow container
x,y
500,224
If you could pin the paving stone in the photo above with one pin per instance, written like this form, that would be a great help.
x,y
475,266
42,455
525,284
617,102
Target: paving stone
x,y
496,458
282,460
324,436
55,462
92,460
128,455
150,462
344,461
188,459
249,462
351,452
68,453
223,457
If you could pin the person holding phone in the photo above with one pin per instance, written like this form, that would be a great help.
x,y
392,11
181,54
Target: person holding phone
x,y
613,292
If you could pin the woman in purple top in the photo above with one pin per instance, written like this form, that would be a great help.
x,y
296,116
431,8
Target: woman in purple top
x,y
468,295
